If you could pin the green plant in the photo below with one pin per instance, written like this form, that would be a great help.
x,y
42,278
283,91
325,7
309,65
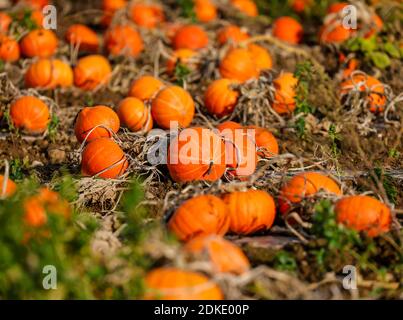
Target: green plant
x,y
187,9
387,182
285,261
334,139
53,126
17,168
181,74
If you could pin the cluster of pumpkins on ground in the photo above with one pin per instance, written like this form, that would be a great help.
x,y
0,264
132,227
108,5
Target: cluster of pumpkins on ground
x,y
153,102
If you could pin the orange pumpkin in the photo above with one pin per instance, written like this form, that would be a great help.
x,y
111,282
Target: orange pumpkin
x,y
300,5
9,49
288,30
124,40
247,7
34,213
352,65
83,37
102,117
145,88
8,188
39,43
223,254
232,34
190,37
219,98
228,127
5,21
250,211
176,284
173,104
284,98
185,57
49,74
238,64
103,158
376,97
376,26
147,15
302,186
265,141
205,10
261,57
334,32
201,215
30,114
336,7
91,72
363,213
196,154
37,17
134,114
110,7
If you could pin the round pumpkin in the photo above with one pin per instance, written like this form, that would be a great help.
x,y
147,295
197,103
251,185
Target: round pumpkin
x,y
196,154
238,64
91,72
8,188
201,215
123,40
224,255
5,21
147,15
49,74
304,185
300,5
185,57
134,115
334,32
145,88
284,97
39,43
103,158
219,99
261,57
101,117
232,34
109,8
250,211
173,104
190,37
176,284
205,10
82,36
228,127
265,142
247,7
30,114
376,97
288,30
9,49
364,213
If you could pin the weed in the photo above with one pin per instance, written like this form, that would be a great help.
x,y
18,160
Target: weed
x,y
387,182
285,261
181,73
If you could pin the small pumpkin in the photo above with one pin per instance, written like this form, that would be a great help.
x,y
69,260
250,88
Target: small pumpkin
x,y
302,186
228,127
265,142
300,5
261,57
288,30
109,8
82,36
49,74
185,57
364,213
247,7
7,188
238,64
196,154
250,211
147,15
190,37
284,97
173,104
201,215
124,40
232,34
205,10
103,158
375,90
334,32
5,21
220,99
91,72
30,114
134,115
177,284
145,88
337,7
39,43
102,117
225,256
9,49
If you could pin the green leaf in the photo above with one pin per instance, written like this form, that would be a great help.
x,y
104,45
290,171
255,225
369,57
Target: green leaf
x,y
380,59
368,45
391,49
